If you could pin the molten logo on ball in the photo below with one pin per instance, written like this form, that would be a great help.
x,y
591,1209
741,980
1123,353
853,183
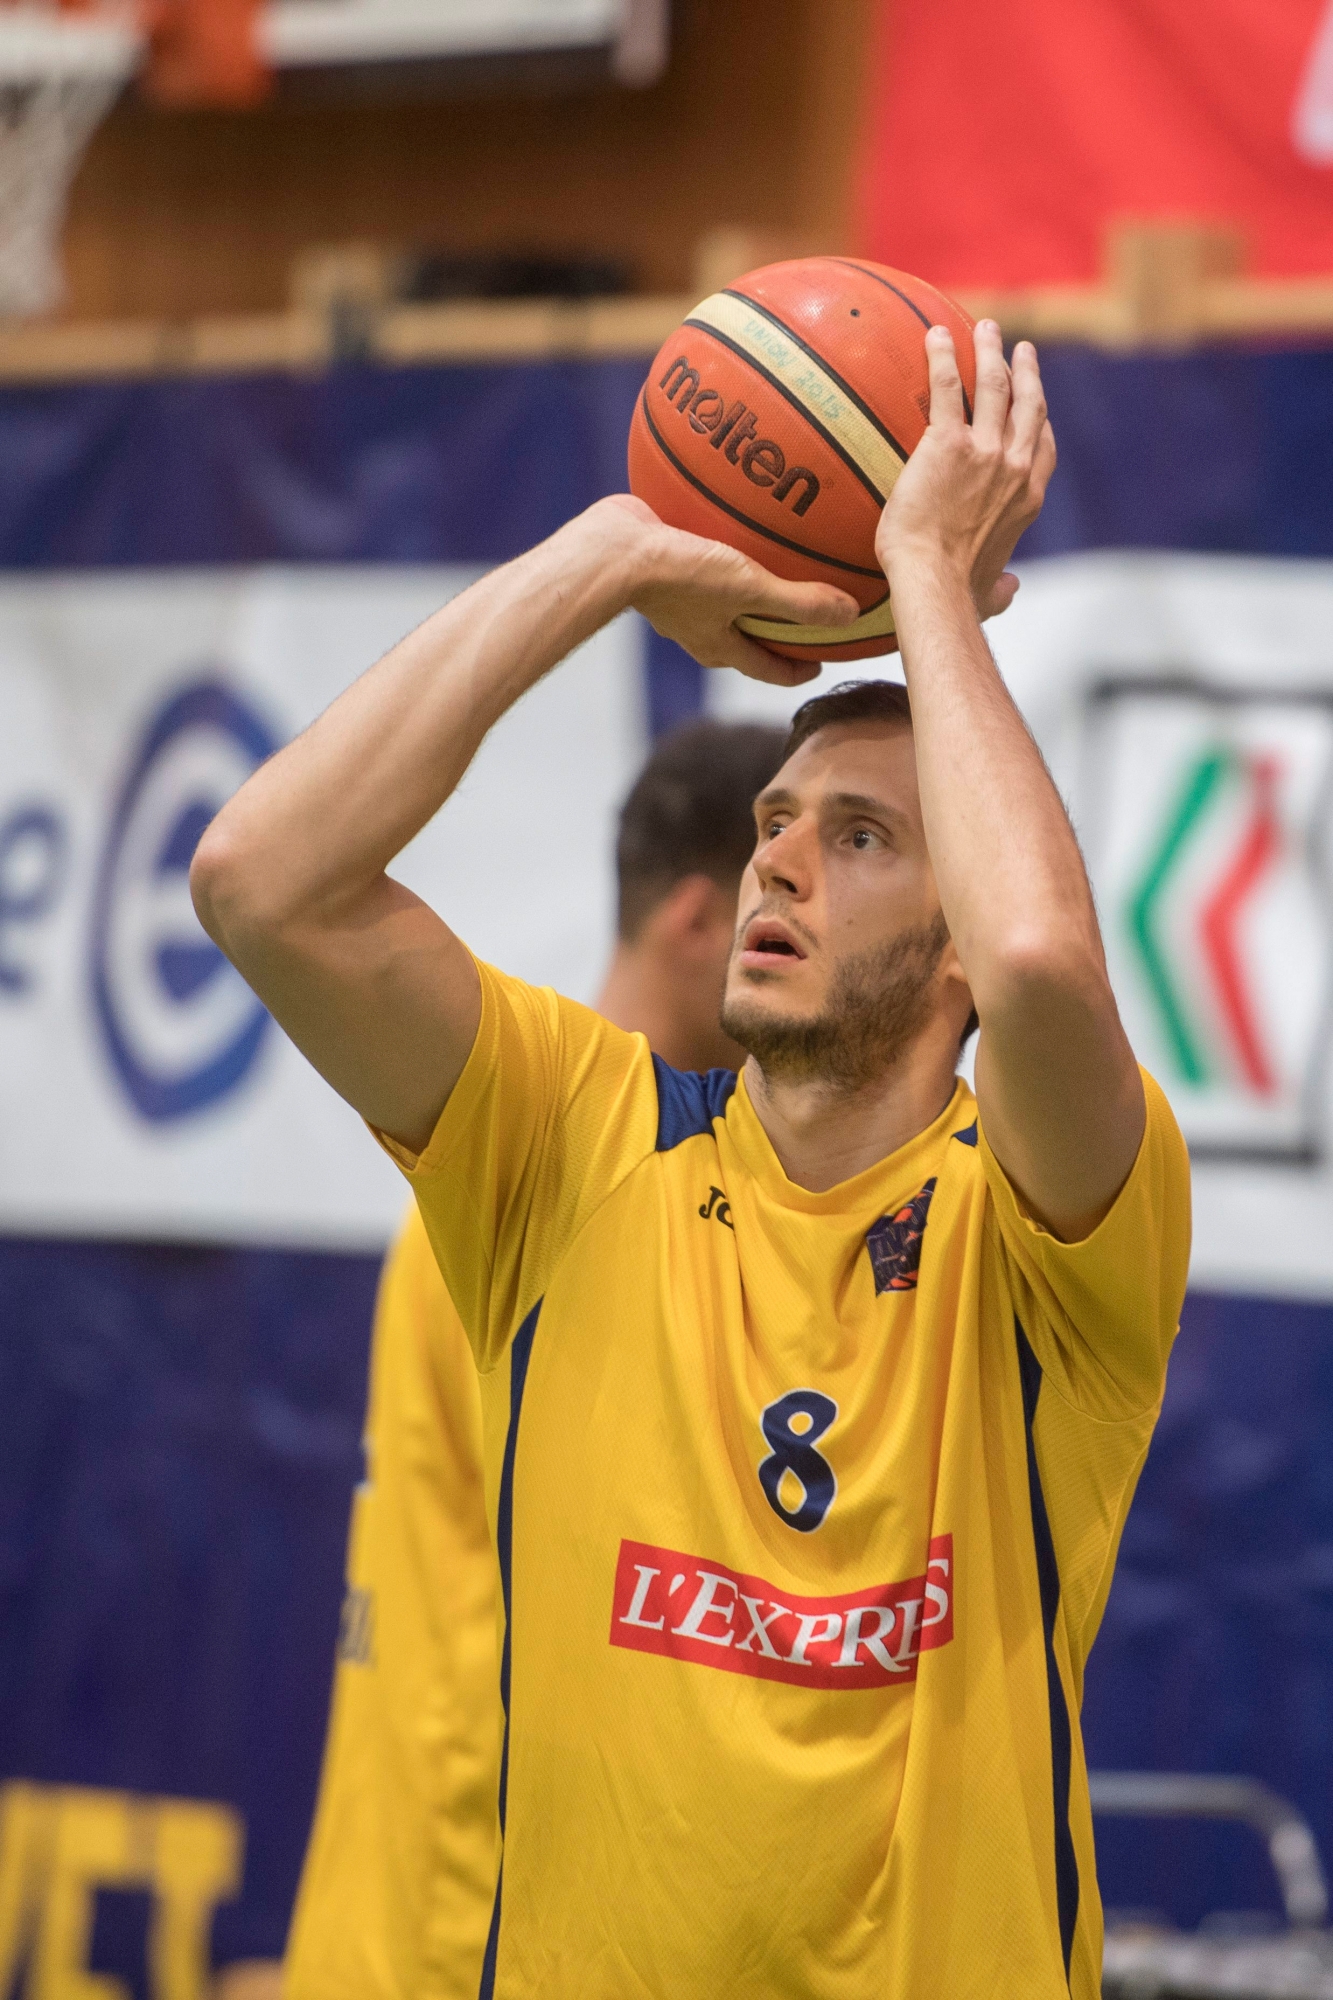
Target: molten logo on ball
x,y
733,432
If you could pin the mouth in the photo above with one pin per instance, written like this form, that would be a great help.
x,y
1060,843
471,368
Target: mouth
x,y
766,944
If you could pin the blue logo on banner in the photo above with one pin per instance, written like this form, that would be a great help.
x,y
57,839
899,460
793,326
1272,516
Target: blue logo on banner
x,y
33,847
179,1024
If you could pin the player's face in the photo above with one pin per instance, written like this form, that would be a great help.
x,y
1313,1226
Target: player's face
x,y
841,953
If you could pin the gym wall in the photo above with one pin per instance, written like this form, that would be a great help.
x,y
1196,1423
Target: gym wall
x,y
755,122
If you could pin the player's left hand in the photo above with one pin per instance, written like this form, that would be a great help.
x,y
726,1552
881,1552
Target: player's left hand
x,y
969,490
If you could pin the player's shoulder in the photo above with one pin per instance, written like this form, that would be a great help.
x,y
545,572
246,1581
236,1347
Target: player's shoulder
x,y
608,1083
1162,1179
1161,1126
677,1104
545,1021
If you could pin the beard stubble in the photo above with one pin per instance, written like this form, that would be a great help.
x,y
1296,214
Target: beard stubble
x,y
879,1003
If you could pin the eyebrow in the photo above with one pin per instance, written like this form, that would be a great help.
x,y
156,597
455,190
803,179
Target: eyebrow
x,y
849,802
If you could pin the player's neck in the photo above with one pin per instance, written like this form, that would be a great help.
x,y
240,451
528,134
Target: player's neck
x,y
640,994
649,993
824,1133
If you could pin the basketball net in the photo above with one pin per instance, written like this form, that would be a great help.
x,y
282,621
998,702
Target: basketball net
x,y
61,69
63,63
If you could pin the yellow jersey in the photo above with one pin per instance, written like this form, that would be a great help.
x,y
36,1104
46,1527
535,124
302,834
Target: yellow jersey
x,y
805,1506
399,1878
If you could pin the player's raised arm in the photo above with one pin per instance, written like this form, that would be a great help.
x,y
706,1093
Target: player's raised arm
x,y
1059,1091
290,877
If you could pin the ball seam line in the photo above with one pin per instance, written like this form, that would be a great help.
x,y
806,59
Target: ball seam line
x,y
868,450
801,407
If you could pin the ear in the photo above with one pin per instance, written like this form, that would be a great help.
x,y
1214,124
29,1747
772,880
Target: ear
x,y
950,971
689,916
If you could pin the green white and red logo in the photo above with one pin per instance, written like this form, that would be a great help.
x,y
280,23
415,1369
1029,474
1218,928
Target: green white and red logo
x,y
1209,852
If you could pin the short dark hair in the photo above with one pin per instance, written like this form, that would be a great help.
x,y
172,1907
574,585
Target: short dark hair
x,y
690,812
850,701
858,701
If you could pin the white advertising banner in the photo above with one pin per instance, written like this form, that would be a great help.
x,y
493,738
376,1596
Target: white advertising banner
x,y
143,1091
1185,706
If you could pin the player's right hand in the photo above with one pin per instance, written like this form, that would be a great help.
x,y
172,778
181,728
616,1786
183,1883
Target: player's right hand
x,y
693,590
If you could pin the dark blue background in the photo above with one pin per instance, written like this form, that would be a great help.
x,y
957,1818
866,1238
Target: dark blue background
x,y
179,1426
179,1437
1222,449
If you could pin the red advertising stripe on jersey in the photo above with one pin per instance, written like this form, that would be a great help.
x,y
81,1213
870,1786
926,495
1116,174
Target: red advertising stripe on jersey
x,y
691,1609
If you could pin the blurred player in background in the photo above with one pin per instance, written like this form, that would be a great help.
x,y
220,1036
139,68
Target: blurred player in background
x,y
399,1880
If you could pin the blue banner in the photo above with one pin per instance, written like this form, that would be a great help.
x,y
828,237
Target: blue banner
x,y
179,1436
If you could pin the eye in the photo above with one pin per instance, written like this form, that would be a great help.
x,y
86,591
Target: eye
x,y
773,828
863,839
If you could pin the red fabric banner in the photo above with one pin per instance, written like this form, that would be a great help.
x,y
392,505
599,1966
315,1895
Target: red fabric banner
x,y
1003,139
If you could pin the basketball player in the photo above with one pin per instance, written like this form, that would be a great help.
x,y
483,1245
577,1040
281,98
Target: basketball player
x,y
399,1880
813,1403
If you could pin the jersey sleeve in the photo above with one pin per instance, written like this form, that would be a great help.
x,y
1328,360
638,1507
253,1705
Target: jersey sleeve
x,y
553,1109
1100,1315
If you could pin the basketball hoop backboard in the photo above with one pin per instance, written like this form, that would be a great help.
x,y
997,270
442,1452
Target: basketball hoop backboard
x,y
326,34
232,51
38,43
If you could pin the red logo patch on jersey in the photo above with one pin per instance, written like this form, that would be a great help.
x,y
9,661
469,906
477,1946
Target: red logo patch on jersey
x,y
689,1609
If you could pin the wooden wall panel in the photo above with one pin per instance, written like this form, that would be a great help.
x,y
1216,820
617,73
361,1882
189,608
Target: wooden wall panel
x,y
755,123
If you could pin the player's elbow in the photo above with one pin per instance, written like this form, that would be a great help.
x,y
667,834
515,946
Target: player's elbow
x,y
227,888
1044,969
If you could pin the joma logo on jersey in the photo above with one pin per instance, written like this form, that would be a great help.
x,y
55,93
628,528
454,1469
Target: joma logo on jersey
x,y
717,1209
1208,836
735,434
688,1609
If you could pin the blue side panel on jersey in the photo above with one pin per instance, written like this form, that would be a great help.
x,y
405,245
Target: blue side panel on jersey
x,y
1048,1578
520,1353
687,1102
486,1988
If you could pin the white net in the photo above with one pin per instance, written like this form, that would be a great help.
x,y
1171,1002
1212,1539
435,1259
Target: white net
x,y
60,72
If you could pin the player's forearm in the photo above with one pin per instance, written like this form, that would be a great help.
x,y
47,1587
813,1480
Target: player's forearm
x,y
290,879
1011,880
1056,1079
307,839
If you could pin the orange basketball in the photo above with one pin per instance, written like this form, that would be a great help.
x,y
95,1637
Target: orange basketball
x,y
777,419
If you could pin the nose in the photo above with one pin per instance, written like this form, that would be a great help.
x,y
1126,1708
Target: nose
x,y
782,862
